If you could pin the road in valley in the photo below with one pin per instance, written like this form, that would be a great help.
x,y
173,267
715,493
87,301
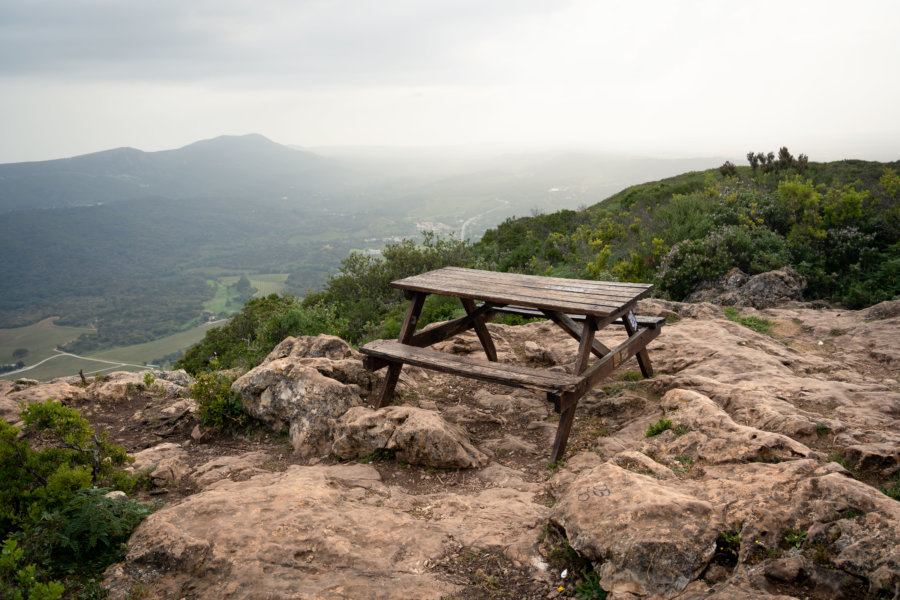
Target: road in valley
x,y
468,222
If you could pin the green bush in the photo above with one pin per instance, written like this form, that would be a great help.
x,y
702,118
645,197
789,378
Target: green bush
x,y
251,334
751,249
219,407
55,519
19,581
658,427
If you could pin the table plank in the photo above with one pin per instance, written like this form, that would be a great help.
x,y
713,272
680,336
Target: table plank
x,y
564,295
544,285
550,280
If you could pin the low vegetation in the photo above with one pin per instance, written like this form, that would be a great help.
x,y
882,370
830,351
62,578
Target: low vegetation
x,y
836,223
357,304
58,526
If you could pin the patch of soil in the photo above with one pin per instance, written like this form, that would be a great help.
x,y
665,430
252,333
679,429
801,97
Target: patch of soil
x,y
485,575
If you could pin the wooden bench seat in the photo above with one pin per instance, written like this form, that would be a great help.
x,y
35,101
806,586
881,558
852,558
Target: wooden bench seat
x,y
531,313
511,374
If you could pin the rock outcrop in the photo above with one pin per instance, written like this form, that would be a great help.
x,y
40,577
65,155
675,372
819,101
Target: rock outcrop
x,y
764,290
415,435
118,385
767,485
287,392
316,532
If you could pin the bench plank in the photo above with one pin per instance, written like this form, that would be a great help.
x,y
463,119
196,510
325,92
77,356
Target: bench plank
x,y
510,374
531,313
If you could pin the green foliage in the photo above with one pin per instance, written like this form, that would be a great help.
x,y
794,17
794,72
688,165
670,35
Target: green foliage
x,y
259,327
361,293
219,406
658,427
793,538
55,517
892,489
19,582
757,324
589,588
836,223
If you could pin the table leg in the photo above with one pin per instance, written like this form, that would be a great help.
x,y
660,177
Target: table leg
x,y
566,417
484,335
585,345
643,357
567,324
406,333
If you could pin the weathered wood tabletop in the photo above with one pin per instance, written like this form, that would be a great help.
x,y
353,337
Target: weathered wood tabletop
x,y
595,303
575,296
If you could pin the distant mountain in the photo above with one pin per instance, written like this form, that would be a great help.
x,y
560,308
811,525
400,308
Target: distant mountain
x,y
249,166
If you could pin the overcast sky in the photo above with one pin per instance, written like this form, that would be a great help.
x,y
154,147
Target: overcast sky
x,y
651,77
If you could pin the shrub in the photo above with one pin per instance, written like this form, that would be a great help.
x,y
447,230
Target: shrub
x,y
219,407
19,581
251,334
752,249
658,427
55,519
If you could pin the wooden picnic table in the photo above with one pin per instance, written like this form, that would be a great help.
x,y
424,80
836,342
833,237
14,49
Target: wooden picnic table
x,y
578,307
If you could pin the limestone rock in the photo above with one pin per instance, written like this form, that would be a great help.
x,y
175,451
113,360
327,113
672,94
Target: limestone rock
x,y
332,357
647,538
714,437
166,463
519,405
12,395
312,346
308,532
641,463
764,290
118,385
224,467
283,393
762,383
417,436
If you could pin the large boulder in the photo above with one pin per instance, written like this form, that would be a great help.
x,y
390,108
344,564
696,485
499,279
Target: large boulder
x,y
285,394
764,290
320,532
332,357
223,467
24,392
165,463
416,435
119,385
645,538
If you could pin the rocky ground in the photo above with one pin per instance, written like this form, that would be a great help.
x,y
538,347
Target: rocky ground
x,y
768,484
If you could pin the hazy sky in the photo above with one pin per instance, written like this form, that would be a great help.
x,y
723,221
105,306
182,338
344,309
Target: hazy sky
x,y
650,77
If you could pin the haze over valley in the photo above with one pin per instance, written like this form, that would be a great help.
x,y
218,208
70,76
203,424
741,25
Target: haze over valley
x,y
138,246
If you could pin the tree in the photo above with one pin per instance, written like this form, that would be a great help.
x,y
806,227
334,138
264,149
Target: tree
x,y
785,159
753,159
728,169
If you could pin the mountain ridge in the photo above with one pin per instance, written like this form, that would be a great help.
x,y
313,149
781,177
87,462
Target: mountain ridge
x,y
226,165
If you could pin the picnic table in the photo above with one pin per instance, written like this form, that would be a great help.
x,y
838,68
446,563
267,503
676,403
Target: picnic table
x,y
579,307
